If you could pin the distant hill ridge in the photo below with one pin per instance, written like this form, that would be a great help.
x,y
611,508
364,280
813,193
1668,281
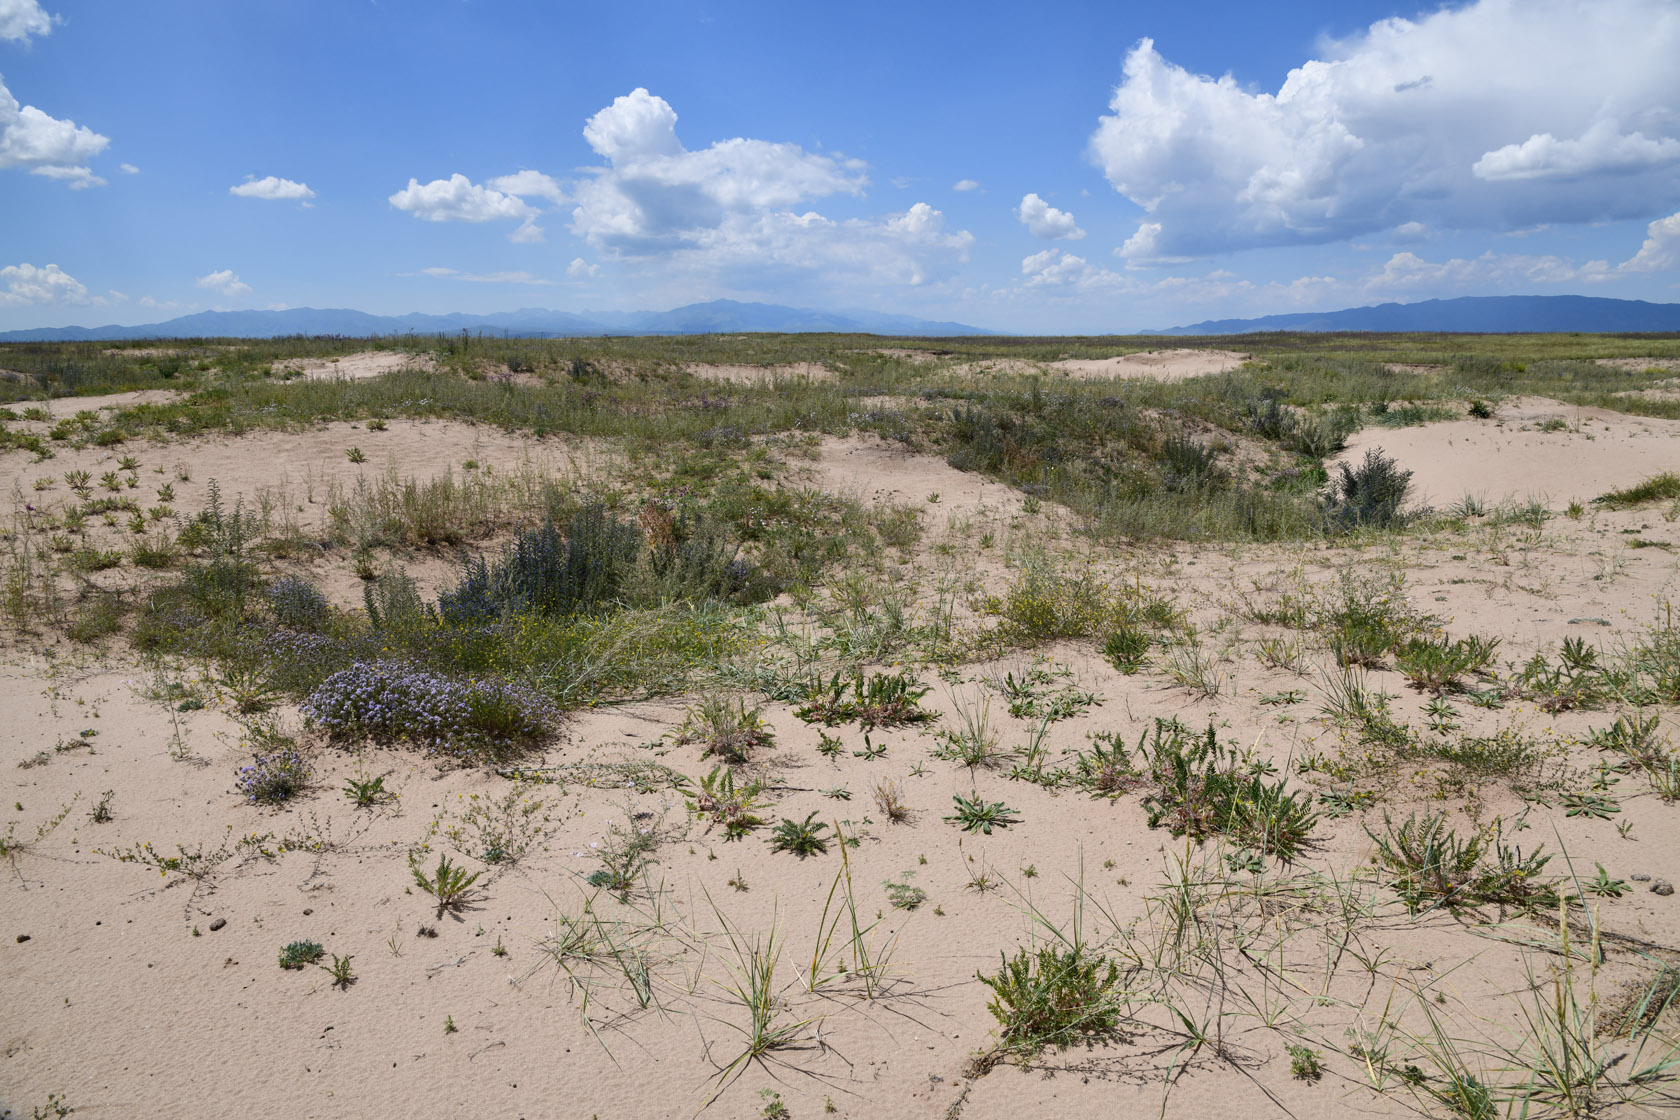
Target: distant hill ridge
x,y
1475,314
717,316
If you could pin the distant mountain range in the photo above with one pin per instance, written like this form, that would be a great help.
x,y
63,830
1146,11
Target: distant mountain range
x,y
718,316
1476,314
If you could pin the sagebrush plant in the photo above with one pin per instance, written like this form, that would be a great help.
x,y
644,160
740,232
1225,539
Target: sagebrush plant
x,y
1369,496
273,778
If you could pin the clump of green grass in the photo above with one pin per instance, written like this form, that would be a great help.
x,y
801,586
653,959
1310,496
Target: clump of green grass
x,y
1431,867
1056,996
881,700
725,727
1658,488
1200,787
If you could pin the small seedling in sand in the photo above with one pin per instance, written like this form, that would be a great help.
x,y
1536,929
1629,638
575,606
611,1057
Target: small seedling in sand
x,y
802,838
339,970
450,885
356,455
1304,1064
975,815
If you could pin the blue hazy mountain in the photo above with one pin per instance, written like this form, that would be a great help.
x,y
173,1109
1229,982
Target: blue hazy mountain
x,y
1477,314
723,315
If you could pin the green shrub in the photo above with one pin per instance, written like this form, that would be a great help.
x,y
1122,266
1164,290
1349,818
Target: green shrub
x,y
1054,997
1369,496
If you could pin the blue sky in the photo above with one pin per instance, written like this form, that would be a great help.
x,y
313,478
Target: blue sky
x,y
1059,168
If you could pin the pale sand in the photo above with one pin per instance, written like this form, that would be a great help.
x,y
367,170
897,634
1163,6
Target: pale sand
x,y
116,1004
353,367
1510,457
1162,365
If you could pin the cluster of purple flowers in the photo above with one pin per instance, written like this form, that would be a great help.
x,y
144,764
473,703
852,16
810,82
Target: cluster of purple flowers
x,y
391,701
272,778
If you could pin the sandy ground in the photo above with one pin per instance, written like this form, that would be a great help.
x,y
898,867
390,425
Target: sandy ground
x,y
353,367
1514,456
138,994
1163,365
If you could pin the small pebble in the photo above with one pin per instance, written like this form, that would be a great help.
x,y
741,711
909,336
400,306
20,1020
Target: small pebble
x,y
217,924
1640,878
306,913
22,937
1662,887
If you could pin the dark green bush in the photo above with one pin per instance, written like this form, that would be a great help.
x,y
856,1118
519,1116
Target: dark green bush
x,y
1369,496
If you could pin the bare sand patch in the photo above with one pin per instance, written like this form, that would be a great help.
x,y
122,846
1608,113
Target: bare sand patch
x,y
877,470
60,408
1591,450
1413,367
754,375
1162,365
353,367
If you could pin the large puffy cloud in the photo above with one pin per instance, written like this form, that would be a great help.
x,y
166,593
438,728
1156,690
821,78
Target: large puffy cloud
x,y
45,145
273,189
1044,220
25,284
459,199
19,19
1661,250
655,194
732,212
1452,120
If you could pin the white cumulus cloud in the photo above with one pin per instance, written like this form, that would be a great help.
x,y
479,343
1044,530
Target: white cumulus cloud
x,y
966,185
1661,250
655,194
25,284
1044,220
1407,272
529,184
45,145
1451,120
1602,149
459,199
225,282
272,189
580,267
19,19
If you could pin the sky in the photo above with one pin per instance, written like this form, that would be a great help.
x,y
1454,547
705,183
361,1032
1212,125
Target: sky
x,y
1052,168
